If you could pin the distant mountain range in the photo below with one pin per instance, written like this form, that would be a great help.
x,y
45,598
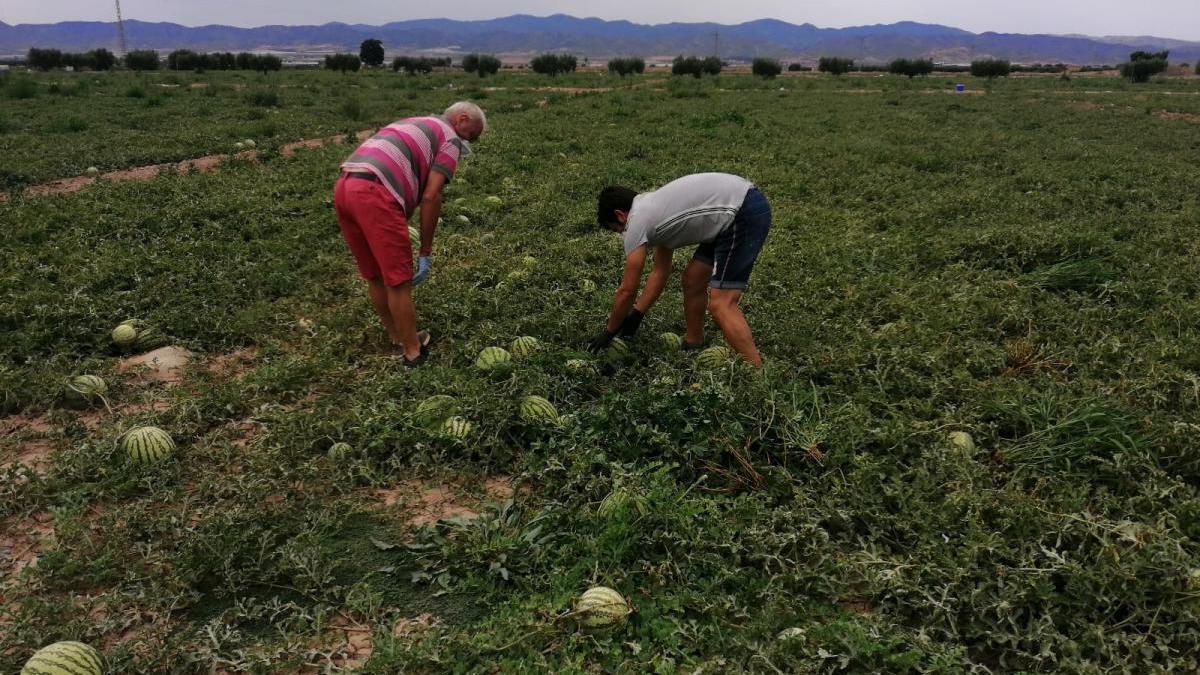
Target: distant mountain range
x,y
523,34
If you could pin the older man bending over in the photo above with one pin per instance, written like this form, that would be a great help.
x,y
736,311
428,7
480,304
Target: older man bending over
x,y
405,165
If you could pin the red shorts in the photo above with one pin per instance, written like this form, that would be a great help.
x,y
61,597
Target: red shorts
x,y
376,229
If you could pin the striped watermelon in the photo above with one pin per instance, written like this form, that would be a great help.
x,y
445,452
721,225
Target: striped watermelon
x,y
535,409
414,235
493,200
340,451
147,445
529,261
149,338
587,285
671,341
601,607
963,441
457,428
86,389
714,357
491,357
617,348
124,335
65,658
435,409
524,346
579,364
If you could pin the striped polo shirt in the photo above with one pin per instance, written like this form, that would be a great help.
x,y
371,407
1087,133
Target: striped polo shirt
x,y
403,153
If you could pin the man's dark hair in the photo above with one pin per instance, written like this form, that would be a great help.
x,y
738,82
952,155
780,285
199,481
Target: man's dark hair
x,y
612,199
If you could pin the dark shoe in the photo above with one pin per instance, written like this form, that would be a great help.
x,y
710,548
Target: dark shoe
x,y
421,359
424,338
685,346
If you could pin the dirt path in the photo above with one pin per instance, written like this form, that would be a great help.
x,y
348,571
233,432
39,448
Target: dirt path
x,y
207,164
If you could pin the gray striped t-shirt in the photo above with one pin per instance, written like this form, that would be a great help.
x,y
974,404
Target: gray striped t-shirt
x,y
687,211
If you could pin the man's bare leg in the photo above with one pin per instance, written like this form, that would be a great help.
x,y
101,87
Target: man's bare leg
x,y
723,304
695,296
404,318
379,300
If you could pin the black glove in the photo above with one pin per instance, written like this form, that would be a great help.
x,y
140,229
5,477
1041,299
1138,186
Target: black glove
x,y
601,341
633,321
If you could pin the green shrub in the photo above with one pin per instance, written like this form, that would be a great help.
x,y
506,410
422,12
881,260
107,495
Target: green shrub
x,y
627,66
344,63
21,88
264,99
553,64
142,59
353,109
835,65
911,67
766,68
799,68
483,64
696,66
412,65
990,68
1144,65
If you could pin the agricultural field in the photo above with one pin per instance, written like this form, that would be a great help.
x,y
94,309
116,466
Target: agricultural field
x,y
973,448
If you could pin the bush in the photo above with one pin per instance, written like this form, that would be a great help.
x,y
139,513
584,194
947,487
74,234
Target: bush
x,y
44,59
990,68
142,59
1198,67
412,64
345,63
553,64
267,63
1143,65
835,65
766,68
799,68
102,59
910,67
371,53
21,88
696,66
484,64
627,66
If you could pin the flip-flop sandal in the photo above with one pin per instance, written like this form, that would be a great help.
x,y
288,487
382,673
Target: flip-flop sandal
x,y
413,363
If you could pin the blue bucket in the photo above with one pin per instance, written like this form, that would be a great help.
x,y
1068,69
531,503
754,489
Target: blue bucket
x,y
960,87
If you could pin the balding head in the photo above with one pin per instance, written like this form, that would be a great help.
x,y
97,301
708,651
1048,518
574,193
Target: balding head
x,y
468,120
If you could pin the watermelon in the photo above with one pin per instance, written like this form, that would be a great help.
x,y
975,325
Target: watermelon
x,y
414,235
124,335
714,357
147,339
601,607
147,445
239,146
93,171
621,501
535,409
65,658
579,364
250,143
617,348
493,200
587,285
435,409
518,275
457,427
340,451
492,357
962,440
529,261
487,238
464,220
524,346
671,341
86,389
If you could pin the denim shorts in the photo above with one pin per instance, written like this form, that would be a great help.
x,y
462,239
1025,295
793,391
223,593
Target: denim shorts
x,y
733,252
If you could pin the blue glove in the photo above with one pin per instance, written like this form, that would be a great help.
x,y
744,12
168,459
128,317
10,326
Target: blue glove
x,y
422,270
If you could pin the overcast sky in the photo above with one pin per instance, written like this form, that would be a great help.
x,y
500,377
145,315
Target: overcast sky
x,y
1164,18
